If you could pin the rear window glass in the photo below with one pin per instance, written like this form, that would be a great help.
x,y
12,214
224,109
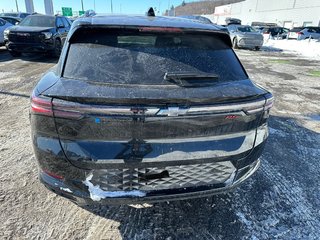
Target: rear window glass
x,y
38,21
131,57
246,29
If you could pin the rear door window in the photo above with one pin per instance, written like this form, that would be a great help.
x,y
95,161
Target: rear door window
x,y
133,57
60,22
2,22
65,22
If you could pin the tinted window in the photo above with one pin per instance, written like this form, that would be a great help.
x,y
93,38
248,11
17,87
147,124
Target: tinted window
x,y
296,29
11,20
246,29
314,30
131,58
38,21
60,22
2,22
23,15
65,22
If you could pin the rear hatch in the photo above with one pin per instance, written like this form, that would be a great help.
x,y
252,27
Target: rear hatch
x,y
293,33
159,97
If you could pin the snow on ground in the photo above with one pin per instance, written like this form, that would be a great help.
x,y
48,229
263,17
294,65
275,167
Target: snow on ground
x,y
306,48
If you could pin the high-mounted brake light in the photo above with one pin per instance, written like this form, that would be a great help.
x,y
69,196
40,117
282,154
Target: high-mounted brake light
x,y
41,105
159,29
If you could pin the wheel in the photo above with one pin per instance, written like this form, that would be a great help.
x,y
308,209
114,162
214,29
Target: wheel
x,y
257,48
235,43
57,48
14,53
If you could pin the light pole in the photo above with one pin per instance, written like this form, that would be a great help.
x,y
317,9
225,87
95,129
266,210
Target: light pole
x,y
111,7
17,6
81,5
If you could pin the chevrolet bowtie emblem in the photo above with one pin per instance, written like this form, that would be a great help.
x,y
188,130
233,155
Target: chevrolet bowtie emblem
x,y
172,111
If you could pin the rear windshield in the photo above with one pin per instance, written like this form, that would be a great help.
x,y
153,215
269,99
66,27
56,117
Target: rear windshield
x,y
297,29
38,21
131,57
246,29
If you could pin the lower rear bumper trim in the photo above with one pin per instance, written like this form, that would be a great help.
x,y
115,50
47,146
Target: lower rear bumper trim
x,y
83,198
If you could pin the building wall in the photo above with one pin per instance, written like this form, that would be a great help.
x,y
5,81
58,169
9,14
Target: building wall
x,y
288,13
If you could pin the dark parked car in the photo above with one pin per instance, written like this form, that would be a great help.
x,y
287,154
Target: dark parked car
x,y
278,32
143,109
20,15
12,20
37,33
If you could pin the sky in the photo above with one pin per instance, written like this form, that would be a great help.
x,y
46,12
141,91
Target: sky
x,y
101,6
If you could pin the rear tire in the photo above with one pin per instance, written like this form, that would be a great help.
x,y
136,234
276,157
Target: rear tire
x,y
15,54
57,48
257,48
235,43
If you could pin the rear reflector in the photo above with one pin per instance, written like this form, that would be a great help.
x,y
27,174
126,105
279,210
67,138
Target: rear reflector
x,y
41,105
230,117
53,174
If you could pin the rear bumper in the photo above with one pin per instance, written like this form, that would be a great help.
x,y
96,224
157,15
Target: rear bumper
x,y
30,47
83,198
78,191
132,183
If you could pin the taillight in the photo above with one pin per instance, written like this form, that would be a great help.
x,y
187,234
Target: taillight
x,y
300,33
69,110
269,103
268,106
41,105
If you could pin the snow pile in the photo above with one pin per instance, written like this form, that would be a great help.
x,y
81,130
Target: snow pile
x,y
306,48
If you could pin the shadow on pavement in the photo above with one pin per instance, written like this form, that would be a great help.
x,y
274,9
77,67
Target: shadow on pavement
x,y
280,200
30,57
271,49
14,94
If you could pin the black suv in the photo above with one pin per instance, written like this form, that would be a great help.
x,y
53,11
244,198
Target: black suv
x,y
279,32
143,109
37,33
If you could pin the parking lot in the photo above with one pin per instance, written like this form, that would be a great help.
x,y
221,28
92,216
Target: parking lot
x,y
281,201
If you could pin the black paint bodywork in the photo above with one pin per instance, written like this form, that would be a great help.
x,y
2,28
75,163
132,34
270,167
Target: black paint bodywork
x,y
33,39
83,137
